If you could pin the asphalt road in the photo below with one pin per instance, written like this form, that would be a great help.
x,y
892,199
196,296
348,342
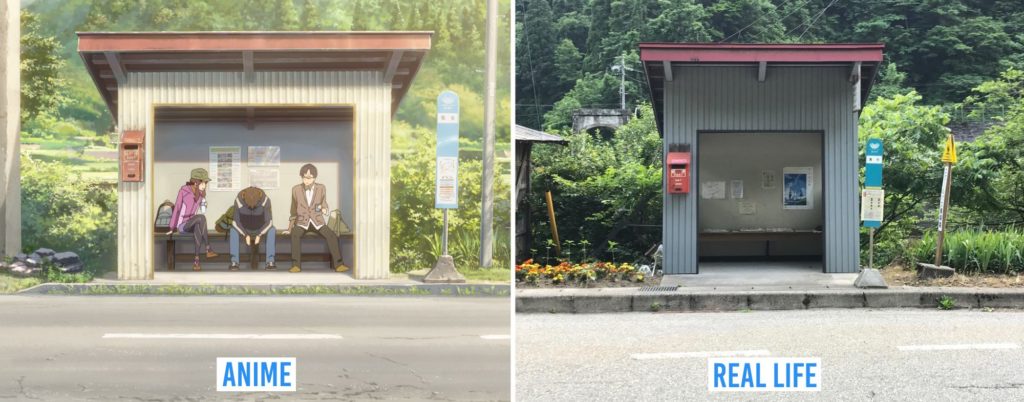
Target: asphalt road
x,y
884,355
393,348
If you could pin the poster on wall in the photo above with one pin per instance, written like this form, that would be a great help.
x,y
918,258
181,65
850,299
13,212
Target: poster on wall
x,y
736,187
264,156
797,190
225,169
263,177
767,179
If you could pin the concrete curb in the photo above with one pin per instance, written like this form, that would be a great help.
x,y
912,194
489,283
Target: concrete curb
x,y
104,289
531,301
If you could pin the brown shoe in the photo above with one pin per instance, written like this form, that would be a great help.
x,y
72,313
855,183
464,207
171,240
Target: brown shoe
x,y
211,254
195,266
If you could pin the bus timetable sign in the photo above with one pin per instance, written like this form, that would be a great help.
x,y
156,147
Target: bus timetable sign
x,y
446,181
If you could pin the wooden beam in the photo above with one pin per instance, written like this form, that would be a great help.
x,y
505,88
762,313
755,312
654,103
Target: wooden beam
x,y
762,70
667,65
116,67
855,72
247,66
396,57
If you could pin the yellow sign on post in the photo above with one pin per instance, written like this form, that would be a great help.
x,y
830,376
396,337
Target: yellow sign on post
x,y
949,155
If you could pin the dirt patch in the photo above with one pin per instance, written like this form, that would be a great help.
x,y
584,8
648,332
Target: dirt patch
x,y
898,275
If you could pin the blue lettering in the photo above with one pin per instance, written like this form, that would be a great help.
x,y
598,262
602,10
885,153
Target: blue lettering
x,y
758,378
797,373
810,374
229,375
269,375
719,375
748,377
776,376
733,375
285,374
243,373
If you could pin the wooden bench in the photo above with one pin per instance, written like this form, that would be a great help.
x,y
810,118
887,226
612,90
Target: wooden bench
x,y
253,257
765,236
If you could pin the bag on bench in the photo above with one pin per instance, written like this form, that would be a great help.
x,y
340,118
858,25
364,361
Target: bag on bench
x,y
337,223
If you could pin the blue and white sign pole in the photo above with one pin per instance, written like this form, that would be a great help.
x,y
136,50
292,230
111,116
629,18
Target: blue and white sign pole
x,y
873,196
446,176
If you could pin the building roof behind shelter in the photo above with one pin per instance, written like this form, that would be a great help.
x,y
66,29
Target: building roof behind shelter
x,y
658,58
110,56
527,134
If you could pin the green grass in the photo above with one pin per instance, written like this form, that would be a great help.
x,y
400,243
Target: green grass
x,y
184,290
974,251
11,284
492,274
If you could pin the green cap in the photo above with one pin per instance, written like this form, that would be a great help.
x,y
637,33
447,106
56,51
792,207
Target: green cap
x,y
200,174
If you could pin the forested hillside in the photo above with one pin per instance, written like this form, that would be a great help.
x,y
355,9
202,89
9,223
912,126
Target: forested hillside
x,y
942,48
949,65
455,61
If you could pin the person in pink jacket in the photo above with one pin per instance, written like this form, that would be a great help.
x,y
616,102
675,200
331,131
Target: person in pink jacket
x,y
188,213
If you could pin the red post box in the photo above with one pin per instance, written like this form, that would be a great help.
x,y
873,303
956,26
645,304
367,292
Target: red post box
x,y
132,155
677,167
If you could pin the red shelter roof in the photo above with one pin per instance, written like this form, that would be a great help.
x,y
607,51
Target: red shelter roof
x,y
110,56
659,57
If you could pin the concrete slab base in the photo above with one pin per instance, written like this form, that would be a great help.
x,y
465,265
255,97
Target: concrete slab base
x,y
444,272
774,275
870,278
929,271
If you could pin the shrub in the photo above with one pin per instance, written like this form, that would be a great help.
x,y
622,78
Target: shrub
x,y
416,225
61,211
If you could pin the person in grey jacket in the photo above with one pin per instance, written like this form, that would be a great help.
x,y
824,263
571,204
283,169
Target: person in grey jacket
x,y
254,221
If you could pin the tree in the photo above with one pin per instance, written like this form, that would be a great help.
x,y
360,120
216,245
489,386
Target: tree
x,y
42,84
603,188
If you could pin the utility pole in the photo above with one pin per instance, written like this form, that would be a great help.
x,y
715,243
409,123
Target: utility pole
x,y
622,81
487,182
10,127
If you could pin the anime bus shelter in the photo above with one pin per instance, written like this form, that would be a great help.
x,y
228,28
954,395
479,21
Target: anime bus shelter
x,y
253,107
761,150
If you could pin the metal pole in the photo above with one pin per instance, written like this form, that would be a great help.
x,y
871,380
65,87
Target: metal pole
x,y
871,249
487,182
444,234
947,184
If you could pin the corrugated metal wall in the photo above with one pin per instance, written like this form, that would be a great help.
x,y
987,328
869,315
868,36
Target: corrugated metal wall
x,y
791,99
364,89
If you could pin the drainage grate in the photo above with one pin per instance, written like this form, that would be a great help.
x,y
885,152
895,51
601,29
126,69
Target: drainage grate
x,y
659,288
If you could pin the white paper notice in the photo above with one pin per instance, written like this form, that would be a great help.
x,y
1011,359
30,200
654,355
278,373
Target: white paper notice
x,y
747,207
872,204
264,178
737,189
264,156
447,171
712,190
225,168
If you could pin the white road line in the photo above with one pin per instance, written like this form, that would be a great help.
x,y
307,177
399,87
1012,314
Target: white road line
x,y
495,337
960,346
680,355
222,336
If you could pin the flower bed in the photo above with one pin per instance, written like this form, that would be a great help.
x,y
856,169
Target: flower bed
x,y
590,274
